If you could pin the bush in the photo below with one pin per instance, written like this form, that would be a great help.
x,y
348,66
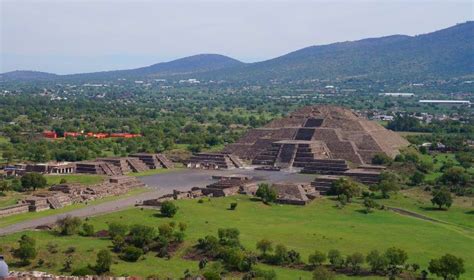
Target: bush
x,y
33,181
116,229
317,258
88,229
322,273
335,258
131,254
104,261
27,250
448,267
83,271
266,193
381,159
69,225
168,209
233,205
355,262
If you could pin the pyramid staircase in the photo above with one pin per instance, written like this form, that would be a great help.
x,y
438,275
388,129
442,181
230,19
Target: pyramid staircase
x,y
286,155
236,160
54,203
324,183
136,165
268,156
165,162
326,167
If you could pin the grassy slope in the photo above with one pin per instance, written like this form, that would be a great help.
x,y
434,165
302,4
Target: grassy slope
x,y
74,178
316,226
10,198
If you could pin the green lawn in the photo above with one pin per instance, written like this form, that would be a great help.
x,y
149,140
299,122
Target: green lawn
x,y
75,178
318,225
6,221
10,198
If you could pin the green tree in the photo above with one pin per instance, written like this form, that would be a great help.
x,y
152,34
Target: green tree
x,y
442,197
448,266
335,258
369,204
347,187
88,229
168,209
355,261
266,193
317,258
377,261
381,159
117,229
27,250
69,225
265,246
131,254
141,236
33,181
389,182
104,261
396,259
417,178
455,176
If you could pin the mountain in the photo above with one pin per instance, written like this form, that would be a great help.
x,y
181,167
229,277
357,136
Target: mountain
x,y
444,53
184,66
441,54
27,75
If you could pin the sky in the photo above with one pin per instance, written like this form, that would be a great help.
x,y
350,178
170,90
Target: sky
x,y
76,36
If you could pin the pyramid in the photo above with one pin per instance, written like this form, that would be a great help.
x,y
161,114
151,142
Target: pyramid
x,y
320,132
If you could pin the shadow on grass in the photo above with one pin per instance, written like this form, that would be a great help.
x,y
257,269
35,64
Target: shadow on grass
x,y
431,208
470,212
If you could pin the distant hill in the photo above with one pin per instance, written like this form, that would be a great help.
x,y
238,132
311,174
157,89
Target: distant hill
x,y
445,53
441,54
27,75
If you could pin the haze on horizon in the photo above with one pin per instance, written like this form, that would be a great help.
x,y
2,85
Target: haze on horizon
x,y
75,36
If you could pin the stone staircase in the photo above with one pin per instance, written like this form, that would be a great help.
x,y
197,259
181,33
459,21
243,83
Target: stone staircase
x,y
323,183
136,165
325,166
54,203
286,155
236,160
165,162
268,156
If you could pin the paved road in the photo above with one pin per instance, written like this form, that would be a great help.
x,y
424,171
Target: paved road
x,y
160,184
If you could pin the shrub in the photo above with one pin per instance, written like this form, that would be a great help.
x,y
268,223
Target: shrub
x,y
233,205
131,254
317,258
335,258
347,187
27,250
264,246
63,181
69,225
83,271
377,261
141,236
104,261
448,267
168,209
116,229
322,273
88,229
33,181
355,262
266,193
381,159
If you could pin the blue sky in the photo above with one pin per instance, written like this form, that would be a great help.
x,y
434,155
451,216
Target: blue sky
x,y
72,36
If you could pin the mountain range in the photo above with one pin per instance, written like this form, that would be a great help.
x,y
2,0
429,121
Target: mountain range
x,y
441,54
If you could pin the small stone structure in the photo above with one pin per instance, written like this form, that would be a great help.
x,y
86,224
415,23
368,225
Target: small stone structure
x,y
14,209
52,168
97,167
214,161
36,204
126,164
154,161
294,193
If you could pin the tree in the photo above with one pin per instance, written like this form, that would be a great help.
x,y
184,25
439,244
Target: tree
x,y
88,229
141,236
388,183
317,258
335,258
104,261
381,159
355,261
266,193
448,267
417,178
131,254
377,261
322,273
442,197
264,246
168,209
369,204
396,258
118,243
116,229
456,176
69,225
347,187
27,250
33,181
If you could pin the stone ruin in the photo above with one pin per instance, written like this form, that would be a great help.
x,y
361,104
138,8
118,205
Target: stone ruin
x,y
214,161
154,161
62,195
320,132
294,193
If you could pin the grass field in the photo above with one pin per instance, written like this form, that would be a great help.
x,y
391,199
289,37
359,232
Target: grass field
x,y
318,225
74,178
6,221
10,198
